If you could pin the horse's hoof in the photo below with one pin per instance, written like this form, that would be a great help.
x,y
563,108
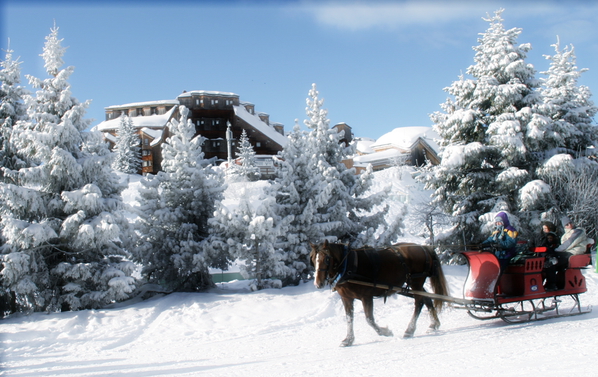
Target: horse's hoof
x,y
346,343
385,332
407,335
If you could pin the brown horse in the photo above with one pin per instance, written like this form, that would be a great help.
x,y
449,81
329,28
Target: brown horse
x,y
358,274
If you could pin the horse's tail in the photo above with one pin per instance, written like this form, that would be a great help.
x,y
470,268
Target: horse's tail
x,y
438,280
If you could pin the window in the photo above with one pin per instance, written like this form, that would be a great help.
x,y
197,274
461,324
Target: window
x,y
146,141
258,144
139,111
146,152
146,163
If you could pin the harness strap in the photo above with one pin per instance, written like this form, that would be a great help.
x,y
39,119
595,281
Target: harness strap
x,y
341,274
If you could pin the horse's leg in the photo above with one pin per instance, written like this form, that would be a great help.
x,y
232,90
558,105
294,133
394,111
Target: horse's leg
x,y
368,308
348,304
419,304
435,324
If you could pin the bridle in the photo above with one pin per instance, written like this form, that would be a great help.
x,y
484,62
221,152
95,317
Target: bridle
x,y
330,265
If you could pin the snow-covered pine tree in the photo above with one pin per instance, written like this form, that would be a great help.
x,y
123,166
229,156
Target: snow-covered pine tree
x,y
568,105
250,233
568,177
12,109
176,205
61,220
127,151
248,169
487,130
326,199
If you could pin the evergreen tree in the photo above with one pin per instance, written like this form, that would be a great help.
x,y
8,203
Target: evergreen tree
x,y
325,198
568,105
61,218
489,129
176,205
248,168
12,109
566,176
127,152
250,234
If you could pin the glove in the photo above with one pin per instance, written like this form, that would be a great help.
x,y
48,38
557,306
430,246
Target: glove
x,y
502,235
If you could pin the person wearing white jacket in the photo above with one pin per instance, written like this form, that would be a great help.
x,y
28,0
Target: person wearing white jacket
x,y
574,241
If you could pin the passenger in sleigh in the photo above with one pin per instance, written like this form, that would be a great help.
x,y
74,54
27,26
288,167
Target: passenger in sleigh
x,y
504,237
573,242
549,239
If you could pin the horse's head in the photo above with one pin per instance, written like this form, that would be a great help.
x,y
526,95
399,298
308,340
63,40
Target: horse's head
x,y
325,263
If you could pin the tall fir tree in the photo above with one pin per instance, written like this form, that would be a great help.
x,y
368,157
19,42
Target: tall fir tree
x,y
127,151
489,129
12,109
62,218
568,105
247,169
571,137
176,205
325,198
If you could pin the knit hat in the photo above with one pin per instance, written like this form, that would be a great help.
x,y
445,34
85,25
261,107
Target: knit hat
x,y
565,220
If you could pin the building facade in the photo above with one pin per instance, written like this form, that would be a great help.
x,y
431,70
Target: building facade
x,y
211,112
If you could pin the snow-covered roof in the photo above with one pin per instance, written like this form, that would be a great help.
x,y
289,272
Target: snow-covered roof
x,y
405,137
151,121
156,135
364,144
110,138
207,92
259,125
388,154
144,104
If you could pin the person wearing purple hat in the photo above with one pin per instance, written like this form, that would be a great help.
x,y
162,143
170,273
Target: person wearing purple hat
x,y
505,237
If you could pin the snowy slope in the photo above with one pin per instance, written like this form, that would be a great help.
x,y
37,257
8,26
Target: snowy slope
x,y
294,331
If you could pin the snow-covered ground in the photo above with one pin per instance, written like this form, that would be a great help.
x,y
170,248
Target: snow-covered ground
x,y
294,331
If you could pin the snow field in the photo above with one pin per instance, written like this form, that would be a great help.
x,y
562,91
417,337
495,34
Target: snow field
x,y
294,331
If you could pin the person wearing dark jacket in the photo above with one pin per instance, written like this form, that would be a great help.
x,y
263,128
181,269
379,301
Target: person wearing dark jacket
x,y
504,237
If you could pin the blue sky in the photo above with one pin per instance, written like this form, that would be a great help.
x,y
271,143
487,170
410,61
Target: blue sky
x,y
377,65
